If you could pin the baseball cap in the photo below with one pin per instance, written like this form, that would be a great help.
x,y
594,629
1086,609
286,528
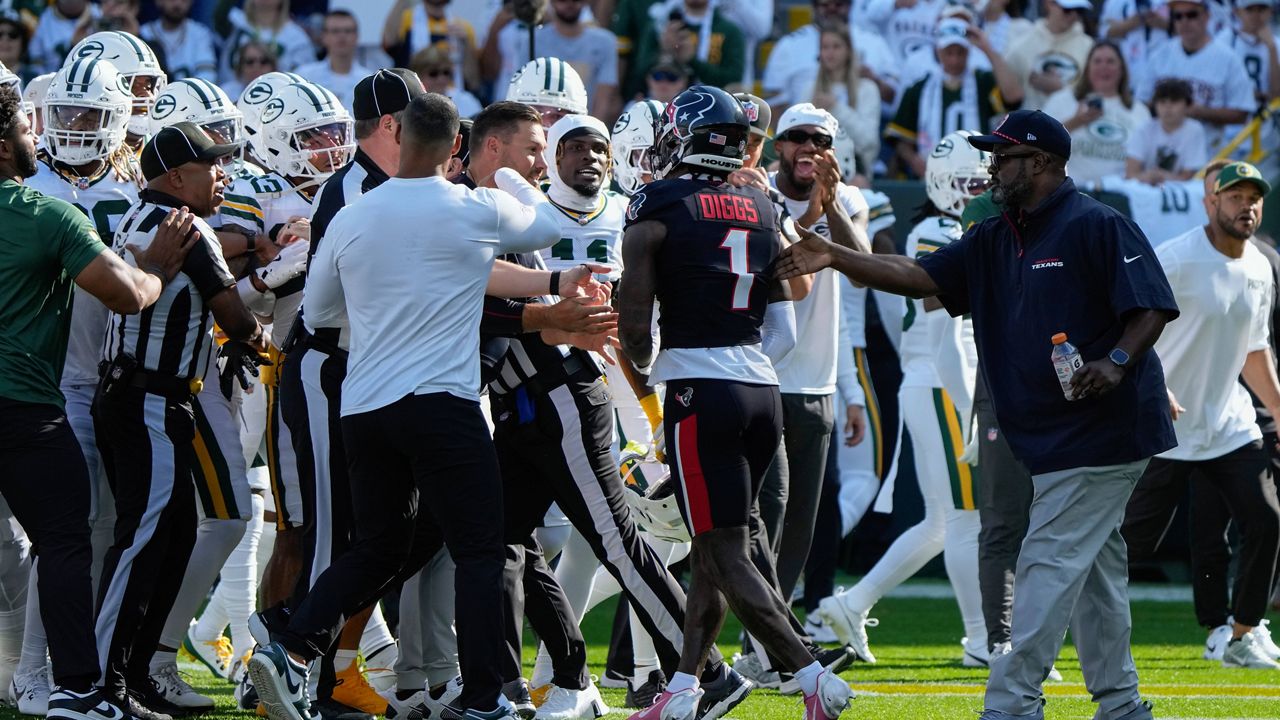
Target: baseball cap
x,y
1074,4
1032,128
177,145
808,114
1238,172
759,114
385,92
951,31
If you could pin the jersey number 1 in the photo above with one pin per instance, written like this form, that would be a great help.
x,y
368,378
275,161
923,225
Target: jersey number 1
x,y
735,241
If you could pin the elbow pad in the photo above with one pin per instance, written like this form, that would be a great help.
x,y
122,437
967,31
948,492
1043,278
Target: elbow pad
x,y
779,330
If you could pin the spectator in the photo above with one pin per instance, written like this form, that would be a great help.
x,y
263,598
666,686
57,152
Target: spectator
x,y
52,39
666,80
696,34
953,97
791,67
189,48
1221,89
1002,21
923,60
266,21
1171,146
1138,26
1051,56
338,71
755,19
909,24
413,25
255,59
1254,40
111,15
842,90
435,69
15,35
1100,113
590,50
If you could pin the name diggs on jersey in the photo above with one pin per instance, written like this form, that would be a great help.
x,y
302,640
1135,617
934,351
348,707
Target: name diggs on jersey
x,y
731,208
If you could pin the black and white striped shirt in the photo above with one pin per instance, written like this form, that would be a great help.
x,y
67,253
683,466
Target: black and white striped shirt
x,y
172,336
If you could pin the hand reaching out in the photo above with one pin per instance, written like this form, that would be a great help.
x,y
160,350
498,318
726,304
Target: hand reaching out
x,y
811,254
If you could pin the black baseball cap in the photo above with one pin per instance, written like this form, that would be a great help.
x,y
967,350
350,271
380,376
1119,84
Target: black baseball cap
x,y
177,145
385,92
1032,128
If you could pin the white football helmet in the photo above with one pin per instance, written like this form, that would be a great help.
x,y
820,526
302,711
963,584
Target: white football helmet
x,y
304,124
254,97
956,172
133,59
86,112
632,138
550,83
201,102
33,99
652,497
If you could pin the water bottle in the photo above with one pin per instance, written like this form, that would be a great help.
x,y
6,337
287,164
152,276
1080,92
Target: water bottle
x,y
1066,361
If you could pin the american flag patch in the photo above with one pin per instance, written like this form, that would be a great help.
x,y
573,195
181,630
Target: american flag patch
x,y
718,139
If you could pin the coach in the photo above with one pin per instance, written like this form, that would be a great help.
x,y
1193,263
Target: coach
x,y
1054,261
45,246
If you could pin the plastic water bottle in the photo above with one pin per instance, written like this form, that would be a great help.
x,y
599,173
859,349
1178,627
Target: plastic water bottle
x,y
1066,361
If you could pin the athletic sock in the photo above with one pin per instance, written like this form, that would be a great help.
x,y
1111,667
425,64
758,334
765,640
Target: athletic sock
x,y
682,681
343,659
642,674
808,678
162,658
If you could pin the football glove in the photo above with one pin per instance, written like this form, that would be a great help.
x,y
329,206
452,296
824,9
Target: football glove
x,y
289,264
239,361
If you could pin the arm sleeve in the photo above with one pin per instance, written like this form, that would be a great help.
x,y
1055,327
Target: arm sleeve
x,y
502,317
206,268
846,376
78,243
1130,265
948,267
779,330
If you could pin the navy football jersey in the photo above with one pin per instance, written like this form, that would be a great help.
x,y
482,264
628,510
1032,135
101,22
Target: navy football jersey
x,y
715,267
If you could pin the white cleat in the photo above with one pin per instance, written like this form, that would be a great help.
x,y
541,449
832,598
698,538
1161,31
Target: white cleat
x,y
1247,652
681,705
1216,643
564,704
31,692
976,654
849,625
170,686
92,705
398,709
818,630
832,698
1262,634
750,667
437,698
217,654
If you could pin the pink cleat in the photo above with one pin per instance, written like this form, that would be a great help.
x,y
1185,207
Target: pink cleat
x,y
831,699
681,705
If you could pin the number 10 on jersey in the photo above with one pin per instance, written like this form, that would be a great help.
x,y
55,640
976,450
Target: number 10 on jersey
x,y
735,241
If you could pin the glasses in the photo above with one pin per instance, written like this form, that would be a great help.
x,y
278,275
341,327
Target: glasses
x,y
1189,15
256,61
822,141
10,35
998,158
438,72
665,76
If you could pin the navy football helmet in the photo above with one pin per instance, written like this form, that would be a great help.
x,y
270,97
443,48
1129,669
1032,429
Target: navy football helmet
x,y
704,128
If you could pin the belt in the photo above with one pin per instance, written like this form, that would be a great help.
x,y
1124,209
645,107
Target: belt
x,y
544,382
324,340
170,387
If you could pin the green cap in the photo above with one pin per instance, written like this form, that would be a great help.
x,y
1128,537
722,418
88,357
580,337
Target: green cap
x,y
1238,172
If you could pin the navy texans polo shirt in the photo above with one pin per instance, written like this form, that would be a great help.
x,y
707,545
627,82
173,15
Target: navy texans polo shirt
x,y
1070,265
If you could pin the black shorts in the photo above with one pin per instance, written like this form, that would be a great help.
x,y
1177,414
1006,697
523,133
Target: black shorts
x,y
721,436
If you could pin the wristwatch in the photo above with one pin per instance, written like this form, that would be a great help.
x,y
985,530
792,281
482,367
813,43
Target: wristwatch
x,y
1119,357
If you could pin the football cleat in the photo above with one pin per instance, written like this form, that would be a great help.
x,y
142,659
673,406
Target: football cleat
x,y
976,654
437,699
750,667
281,682
176,694
818,630
1216,643
830,700
849,624
31,692
92,705
517,691
216,654
721,696
351,689
681,705
647,693
1262,634
1246,652
835,661
564,704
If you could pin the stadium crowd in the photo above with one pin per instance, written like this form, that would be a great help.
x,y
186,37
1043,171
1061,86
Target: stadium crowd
x,y
259,426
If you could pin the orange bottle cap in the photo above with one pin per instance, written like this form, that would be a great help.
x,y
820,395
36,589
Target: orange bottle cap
x,y
1059,338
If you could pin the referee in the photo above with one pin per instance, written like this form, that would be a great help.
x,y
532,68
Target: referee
x,y
45,246
421,458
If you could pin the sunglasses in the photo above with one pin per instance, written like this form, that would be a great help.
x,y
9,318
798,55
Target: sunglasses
x,y
822,141
438,72
998,158
11,35
256,61
1189,15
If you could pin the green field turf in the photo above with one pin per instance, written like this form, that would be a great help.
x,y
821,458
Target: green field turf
x,y
919,676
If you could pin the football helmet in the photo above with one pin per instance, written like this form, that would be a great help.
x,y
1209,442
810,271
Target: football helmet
x,y
201,102
306,132
652,497
133,59
703,127
956,172
254,97
845,153
550,84
86,111
632,138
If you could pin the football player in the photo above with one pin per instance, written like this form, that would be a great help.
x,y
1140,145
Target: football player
x,y
551,86
143,76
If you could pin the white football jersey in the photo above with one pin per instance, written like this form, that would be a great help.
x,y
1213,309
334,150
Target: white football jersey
x,y
104,199
1217,76
910,29
264,204
853,299
1254,55
590,236
920,347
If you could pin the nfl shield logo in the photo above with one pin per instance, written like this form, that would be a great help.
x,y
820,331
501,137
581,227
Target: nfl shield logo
x,y
752,111
992,434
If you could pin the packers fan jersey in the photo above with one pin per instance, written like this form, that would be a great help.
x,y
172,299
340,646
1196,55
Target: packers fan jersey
x,y
919,348
104,198
263,204
594,237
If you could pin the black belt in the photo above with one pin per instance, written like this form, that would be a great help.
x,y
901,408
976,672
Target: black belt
x,y
170,387
570,369
324,340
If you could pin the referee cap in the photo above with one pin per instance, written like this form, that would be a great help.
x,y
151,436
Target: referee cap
x,y
177,145
1032,128
1238,172
385,92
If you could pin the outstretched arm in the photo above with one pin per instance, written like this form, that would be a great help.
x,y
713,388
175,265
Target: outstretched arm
x,y
890,273
637,289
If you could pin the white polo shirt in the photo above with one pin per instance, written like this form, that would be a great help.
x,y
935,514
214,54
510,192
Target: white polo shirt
x,y
409,261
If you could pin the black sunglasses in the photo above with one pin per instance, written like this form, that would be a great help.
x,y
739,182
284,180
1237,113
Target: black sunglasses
x,y
997,158
1189,15
11,35
438,72
822,141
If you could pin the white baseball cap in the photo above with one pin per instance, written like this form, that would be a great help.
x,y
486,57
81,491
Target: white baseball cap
x,y
808,114
951,31
1074,4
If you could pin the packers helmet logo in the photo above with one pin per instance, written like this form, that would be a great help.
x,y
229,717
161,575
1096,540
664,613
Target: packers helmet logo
x,y
621,124
164,107
943,148
273,110
1245,170
1108,132
257,94
1063,66
91,49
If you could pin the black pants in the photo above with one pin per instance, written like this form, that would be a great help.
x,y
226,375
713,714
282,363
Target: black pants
x,y
559,450
431,451
824,555
1004,508
530,589
46,484
146,448
1242,481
